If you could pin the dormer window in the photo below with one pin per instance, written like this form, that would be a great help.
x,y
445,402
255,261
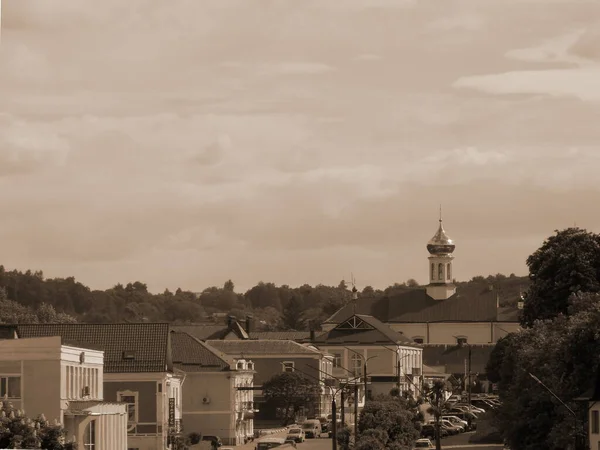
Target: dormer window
x,y
418,340
240,365
461,340
250,366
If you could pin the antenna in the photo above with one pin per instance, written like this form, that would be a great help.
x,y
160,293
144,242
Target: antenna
x,y
354,292
440,213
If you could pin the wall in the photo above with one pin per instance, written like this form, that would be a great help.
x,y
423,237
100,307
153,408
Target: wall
x,y
41,389
594,437
444,332
267,367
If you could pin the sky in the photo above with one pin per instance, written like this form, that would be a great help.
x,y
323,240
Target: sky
x,y
188,142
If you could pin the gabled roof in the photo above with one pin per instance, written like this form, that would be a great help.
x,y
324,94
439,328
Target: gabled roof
x,y
453,357
208,332
284,335
363,329
413,305
193,355
264,347
128,347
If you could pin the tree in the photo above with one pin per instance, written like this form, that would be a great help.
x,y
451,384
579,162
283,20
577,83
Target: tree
x,y
290,391
292,317
566,263
19,431
386,421
562,353
435,394
411,282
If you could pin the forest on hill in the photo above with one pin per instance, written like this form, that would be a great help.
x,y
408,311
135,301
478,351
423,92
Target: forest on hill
x,y
29,297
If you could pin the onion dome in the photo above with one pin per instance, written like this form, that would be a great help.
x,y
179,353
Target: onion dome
x,y
440,243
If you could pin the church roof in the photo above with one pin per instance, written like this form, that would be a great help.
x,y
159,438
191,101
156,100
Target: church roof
x,y
362,329
413,305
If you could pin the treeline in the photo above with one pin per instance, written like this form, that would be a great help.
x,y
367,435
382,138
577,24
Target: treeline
x,y
273,307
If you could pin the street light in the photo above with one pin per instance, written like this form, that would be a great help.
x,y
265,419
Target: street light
x,y
333,405
461,342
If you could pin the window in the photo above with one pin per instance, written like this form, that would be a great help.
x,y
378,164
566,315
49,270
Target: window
x,y
89,436
357,365
418,340
131,398
432,271
337,360
10,387
288,366
461,340
440,271
595,422
448,271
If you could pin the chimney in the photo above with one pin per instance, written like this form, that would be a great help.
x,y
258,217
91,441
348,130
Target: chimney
x,y
312,334
230,321
249,324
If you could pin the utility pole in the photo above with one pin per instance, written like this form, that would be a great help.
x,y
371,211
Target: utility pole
x,y
355,412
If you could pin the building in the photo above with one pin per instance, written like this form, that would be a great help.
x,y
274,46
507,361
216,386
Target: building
x,y
232,330
363,346
440,316
272,357
64,382
218,395
138,371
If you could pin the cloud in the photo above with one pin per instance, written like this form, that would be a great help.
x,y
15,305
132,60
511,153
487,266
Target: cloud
x,y
462,22
552,50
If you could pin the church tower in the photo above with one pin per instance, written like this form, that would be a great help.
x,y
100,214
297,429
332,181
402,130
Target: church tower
x,y
440,247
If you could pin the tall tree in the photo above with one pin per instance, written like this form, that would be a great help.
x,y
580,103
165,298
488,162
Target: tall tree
x,y
289,392
566,263
292,317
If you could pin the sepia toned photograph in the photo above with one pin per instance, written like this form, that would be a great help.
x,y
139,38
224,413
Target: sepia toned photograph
x,y
306,224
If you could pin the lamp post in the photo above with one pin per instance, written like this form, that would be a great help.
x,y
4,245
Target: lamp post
x,y
460,343
333,403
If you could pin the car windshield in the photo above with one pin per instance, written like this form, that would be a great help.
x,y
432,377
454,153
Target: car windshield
x,y
308,426
422,444
295,431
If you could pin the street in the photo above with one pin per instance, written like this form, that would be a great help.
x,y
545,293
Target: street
x,y
458,442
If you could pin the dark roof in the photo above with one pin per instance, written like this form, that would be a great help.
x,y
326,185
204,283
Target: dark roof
x,y
128,347
192,355
252,347
284,335
453,357
362,329
206,332
413,305
8,331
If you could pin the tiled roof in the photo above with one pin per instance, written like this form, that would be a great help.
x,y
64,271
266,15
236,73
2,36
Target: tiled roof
x,y
147,343
413,305
453,357
192,355
375,332
284,335
204,332
249,348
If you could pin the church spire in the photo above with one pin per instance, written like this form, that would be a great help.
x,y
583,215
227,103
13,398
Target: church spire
x,y
440,248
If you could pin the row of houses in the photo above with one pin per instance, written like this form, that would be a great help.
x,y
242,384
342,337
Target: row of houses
x,y
140,386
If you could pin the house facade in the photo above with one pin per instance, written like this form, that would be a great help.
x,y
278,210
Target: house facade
x,y
65,384
362,346
218,395
272,357
138,371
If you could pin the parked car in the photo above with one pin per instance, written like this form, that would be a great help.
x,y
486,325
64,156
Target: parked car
x,y
457,422
269,442
312,428
296,434
324,424
339,426
451,429
214,440
423,443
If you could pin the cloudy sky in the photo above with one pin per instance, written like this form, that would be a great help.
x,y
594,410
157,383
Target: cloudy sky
x,y
186,142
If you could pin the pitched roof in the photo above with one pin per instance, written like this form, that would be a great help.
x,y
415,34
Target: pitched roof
x,y
285,335
192,355
206,332
128,347
249,348
413,305
453,357
360,328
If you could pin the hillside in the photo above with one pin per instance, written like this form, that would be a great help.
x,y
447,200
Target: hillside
x,y
274,307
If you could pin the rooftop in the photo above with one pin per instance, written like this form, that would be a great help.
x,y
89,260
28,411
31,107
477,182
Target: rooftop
x,y
192,355
250,348
128,347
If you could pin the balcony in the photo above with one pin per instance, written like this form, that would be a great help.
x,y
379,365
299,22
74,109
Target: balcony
x,y
245,407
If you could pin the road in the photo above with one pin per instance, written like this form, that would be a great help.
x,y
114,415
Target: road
x,y
459,442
